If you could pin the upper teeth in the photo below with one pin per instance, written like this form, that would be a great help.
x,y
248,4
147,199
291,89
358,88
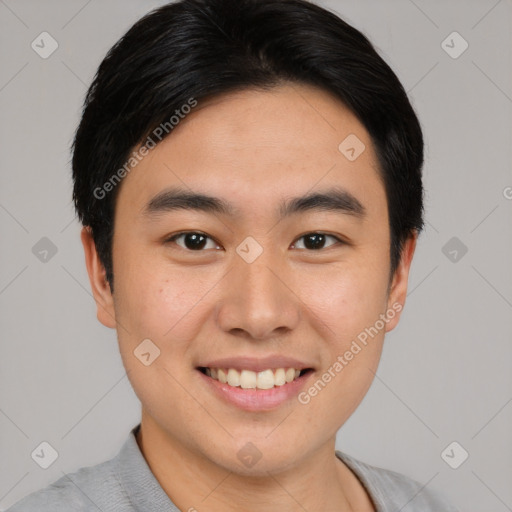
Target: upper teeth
x,y
248,379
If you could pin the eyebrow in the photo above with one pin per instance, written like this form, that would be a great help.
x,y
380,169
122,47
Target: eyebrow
x,y
333,200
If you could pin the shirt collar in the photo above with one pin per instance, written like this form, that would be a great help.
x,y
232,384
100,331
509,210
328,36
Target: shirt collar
x,y
138,481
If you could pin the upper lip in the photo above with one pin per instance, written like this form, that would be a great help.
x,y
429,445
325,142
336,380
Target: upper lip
x,y
256,364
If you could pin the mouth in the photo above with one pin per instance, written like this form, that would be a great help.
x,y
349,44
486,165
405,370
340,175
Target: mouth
x,y
254,390
248,379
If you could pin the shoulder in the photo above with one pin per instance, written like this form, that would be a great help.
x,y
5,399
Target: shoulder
x,y
393,491
90,488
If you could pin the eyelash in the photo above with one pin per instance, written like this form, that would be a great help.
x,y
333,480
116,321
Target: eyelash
x,y
173,238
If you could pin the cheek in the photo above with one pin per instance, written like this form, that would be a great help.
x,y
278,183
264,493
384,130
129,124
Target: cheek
x,y
159,301
356,336
349,302
346,299
162,306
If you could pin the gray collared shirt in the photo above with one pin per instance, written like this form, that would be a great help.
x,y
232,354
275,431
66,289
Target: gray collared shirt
x,y
126,484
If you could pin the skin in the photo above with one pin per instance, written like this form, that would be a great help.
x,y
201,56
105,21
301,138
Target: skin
x,y
253,149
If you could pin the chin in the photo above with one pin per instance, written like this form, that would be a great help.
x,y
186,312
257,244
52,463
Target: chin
x,y
256,458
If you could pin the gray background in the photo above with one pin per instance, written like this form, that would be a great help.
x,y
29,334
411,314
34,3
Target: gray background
x,y
445,374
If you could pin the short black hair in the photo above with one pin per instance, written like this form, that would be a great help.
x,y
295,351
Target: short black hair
x,y
191,50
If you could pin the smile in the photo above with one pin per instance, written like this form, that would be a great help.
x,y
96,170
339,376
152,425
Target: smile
x,y
256,390
248,379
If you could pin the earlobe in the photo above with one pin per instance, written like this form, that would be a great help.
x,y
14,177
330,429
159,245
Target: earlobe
x,y
398,288
99,285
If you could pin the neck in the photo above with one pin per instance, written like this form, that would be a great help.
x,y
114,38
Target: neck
x,y
320,482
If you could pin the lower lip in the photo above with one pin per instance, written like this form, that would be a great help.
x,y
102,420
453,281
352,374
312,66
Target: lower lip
x,y
257,399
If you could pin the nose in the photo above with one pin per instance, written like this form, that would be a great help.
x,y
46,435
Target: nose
x,y
257,302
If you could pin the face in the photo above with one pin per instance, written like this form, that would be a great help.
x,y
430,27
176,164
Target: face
x,y
254,286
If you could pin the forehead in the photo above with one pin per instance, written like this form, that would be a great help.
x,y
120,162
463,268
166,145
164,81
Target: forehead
x,y
252,147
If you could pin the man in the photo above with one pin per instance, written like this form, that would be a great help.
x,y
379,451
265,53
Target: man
x,y
248,174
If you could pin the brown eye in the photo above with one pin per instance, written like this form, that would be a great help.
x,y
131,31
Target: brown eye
x,y
193,241
316,241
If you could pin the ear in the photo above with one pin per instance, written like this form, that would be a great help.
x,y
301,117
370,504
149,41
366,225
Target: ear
x,y
97,277
398,288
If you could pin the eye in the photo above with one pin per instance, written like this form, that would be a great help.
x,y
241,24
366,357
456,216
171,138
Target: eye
x,y
316,241
193,240
197,241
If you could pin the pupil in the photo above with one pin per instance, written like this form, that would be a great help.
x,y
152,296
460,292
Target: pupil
x,y
317,241
193,241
